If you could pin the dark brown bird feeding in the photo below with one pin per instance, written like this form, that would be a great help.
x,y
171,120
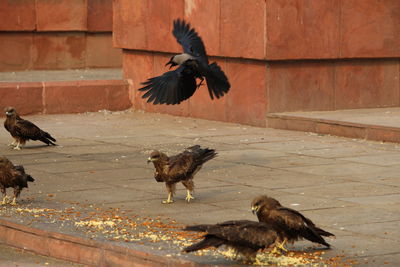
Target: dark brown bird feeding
x,y
177,85
12,176
23,130
245,237
293,224
180,168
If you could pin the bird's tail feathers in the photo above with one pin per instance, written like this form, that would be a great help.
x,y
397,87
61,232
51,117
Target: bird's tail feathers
x,y
204,154
217,82
208,241
314,236
323,232
208,154
48,136
30,178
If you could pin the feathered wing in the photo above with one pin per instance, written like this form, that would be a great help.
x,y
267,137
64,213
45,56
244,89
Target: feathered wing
x,y
185,164
28,130
7,126
21,178
238,234
170,88
190,41
217,82
200,155
298,224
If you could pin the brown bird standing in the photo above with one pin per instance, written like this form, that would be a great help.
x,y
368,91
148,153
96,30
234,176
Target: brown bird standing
x,y
180,168
23,130
12,176
245,237
294,225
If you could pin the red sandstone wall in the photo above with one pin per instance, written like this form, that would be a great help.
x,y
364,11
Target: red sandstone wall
x,y
280,55
56,34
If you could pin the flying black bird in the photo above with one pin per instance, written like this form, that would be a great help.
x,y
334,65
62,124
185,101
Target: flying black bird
x,y
22,130
177,85
180,168
12,176
245,237
294,225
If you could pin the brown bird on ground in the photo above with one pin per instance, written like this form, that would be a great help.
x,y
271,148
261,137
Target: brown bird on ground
x,y
23,130
180,168
12,176
177,85
294,225
245,237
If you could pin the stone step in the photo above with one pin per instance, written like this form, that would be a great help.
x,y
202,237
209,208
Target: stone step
x,y
64,91
380,124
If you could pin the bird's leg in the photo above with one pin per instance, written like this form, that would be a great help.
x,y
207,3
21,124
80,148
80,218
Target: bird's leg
x,y
17,191
12,143
189,188
18,146
14,201
201,82
5,198
275,250
282,245
169,199
188,196
279,247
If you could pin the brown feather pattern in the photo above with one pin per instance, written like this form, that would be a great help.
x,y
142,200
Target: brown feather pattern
x,y
13,176
245,237
181,167
24,130
294,225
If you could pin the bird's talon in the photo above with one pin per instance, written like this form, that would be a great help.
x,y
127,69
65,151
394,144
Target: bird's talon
x,y
276,251
188,198
167,201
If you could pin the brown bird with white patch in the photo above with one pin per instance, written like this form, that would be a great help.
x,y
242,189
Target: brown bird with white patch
x,y
180,168
23,130
294,225
12,176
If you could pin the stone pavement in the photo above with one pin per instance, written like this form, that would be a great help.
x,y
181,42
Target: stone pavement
x,y
348,187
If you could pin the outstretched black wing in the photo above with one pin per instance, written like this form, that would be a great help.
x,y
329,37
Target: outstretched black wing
x,y
217,82
170,88
188,38
242,234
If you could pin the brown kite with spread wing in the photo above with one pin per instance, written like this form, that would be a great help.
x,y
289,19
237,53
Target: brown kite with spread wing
x,y
12,176
23,130
245,237
294,225
180,168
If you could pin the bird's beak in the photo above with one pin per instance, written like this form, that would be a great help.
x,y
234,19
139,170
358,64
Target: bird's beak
x,y
149,160
254,209
8,113
168,63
